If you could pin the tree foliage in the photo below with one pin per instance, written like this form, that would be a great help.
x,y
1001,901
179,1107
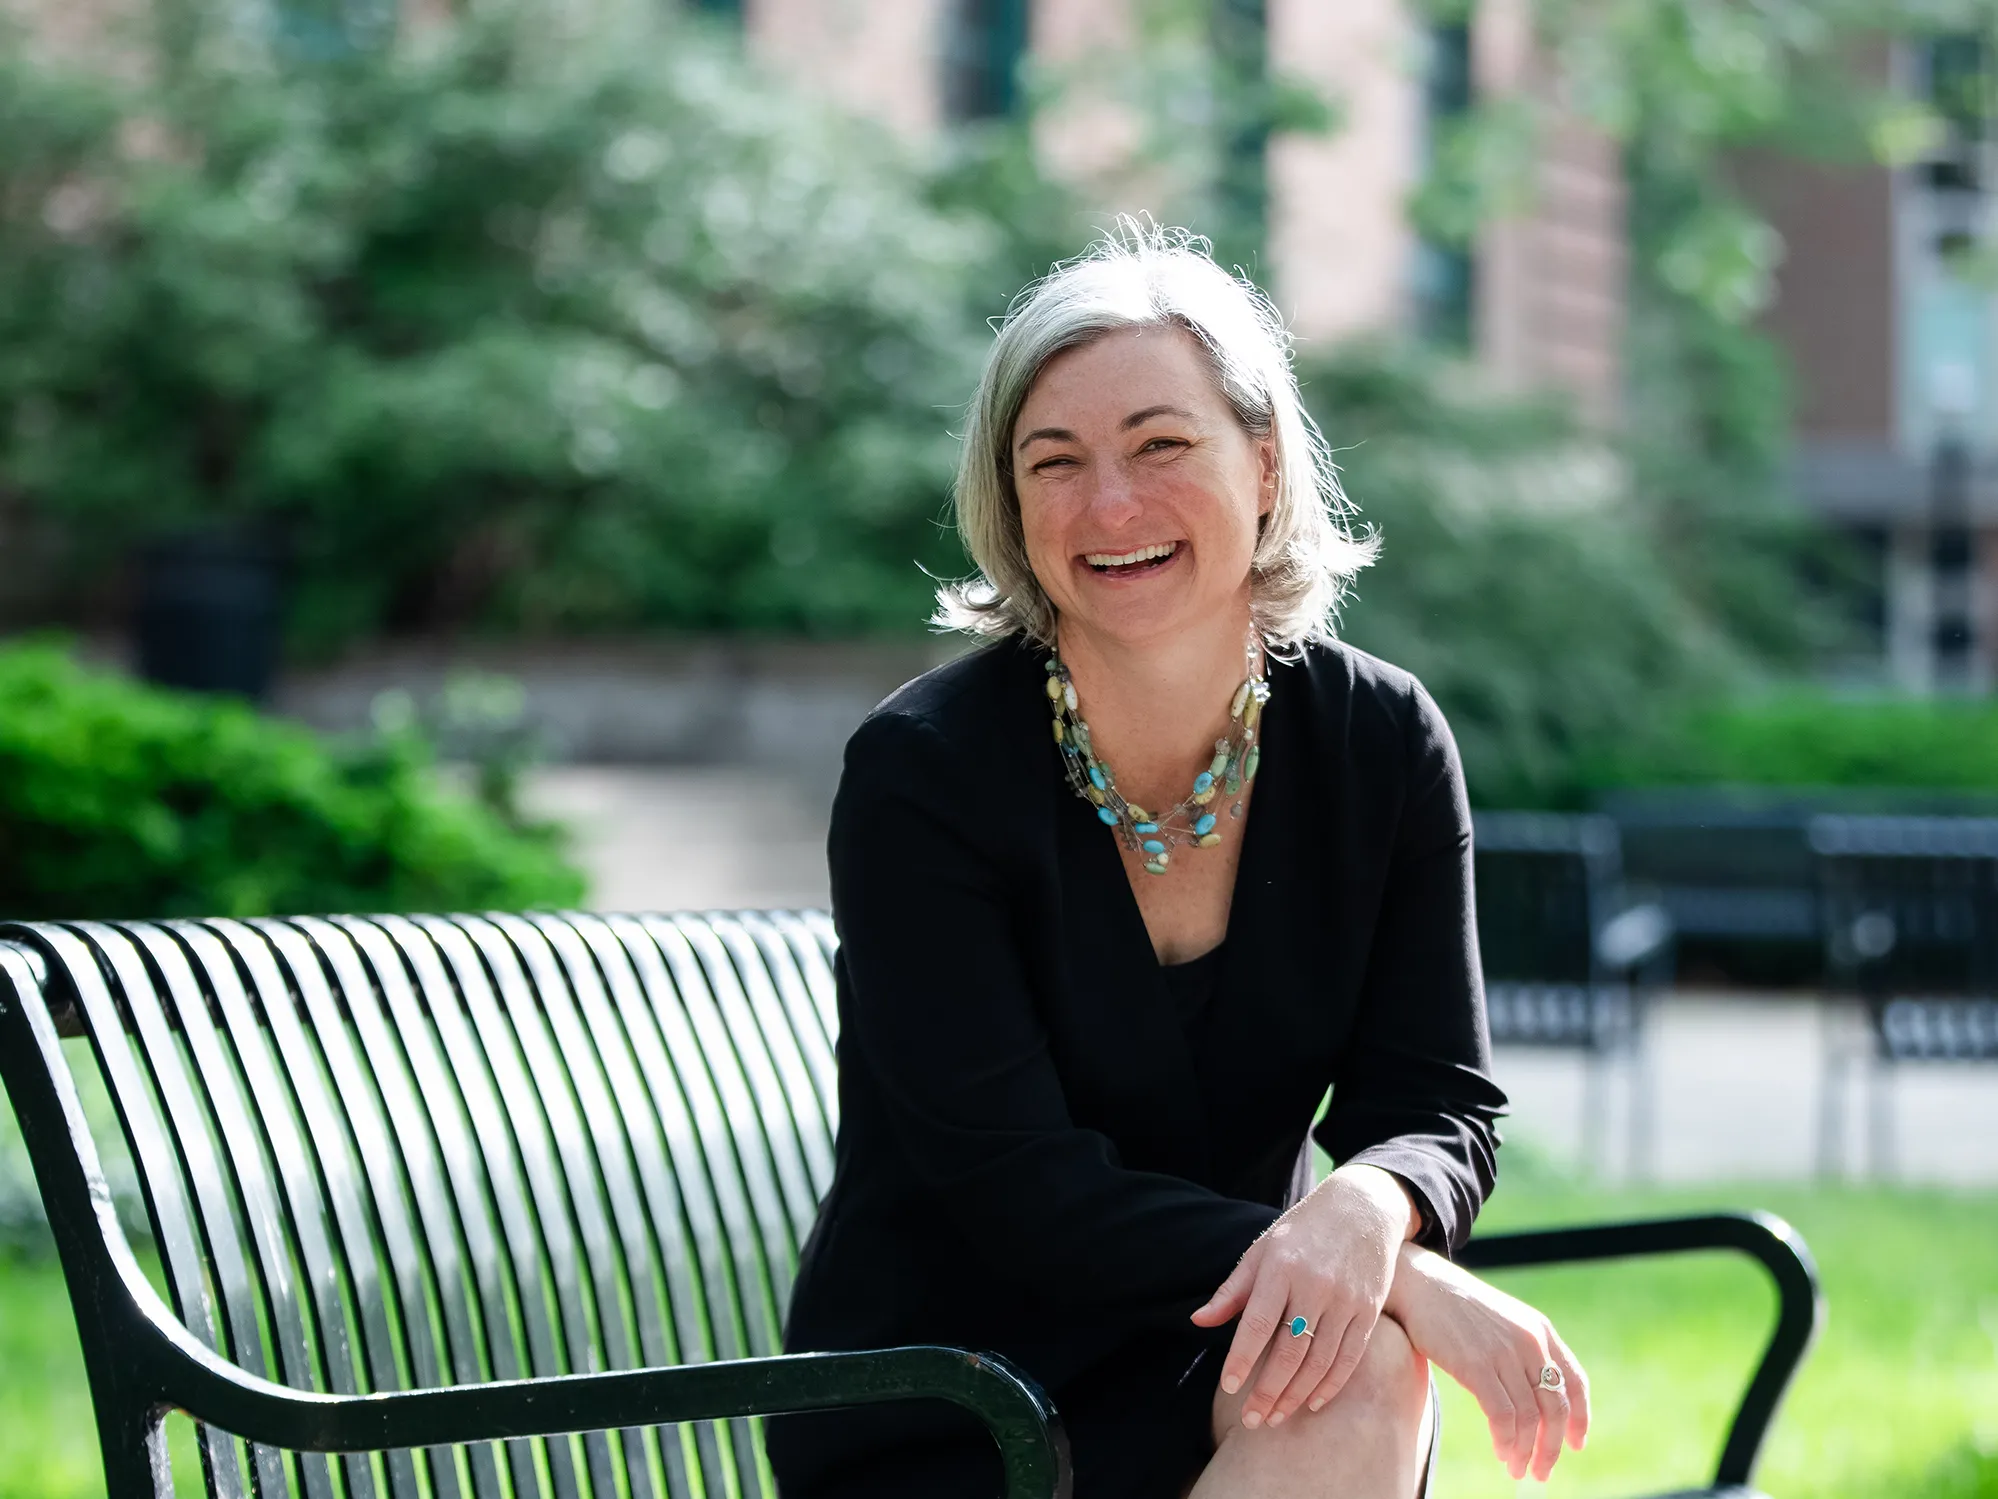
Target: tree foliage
x,y
555,316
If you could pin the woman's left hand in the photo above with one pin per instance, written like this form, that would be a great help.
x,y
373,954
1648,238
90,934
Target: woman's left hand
x,y
1330,1259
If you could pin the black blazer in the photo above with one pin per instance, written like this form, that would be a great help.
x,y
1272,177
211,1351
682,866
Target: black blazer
x,y
1032,1158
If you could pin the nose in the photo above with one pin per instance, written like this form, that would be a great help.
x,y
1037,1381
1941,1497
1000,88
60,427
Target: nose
x,y
1113,499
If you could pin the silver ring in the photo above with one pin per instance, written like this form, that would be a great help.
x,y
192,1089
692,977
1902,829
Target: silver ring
x,y
1550,1377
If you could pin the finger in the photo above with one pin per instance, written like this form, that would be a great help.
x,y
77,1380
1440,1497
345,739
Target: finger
x,y
1553,1404
1230,1296
1501,1413
1352,1348
1303,1386
1280,1368
1253,1332
1526,1415
1577,1379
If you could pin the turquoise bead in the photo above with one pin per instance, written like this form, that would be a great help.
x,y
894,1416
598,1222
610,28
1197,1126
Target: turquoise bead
x,y
1145,827
1204,825
1202,781
1107,815
1153,846
1096,778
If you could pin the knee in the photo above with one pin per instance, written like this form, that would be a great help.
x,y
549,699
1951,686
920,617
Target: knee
x,y
1392,1376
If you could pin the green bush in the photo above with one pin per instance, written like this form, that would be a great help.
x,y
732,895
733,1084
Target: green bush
x,y
1809,738
120,800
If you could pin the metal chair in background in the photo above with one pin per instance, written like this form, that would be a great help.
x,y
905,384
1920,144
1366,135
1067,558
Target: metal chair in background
x,y
1569,960
1910,922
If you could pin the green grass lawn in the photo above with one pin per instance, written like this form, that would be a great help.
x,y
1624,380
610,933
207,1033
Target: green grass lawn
x,y
1898,1401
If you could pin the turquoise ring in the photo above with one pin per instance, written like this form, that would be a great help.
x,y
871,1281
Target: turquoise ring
x,y
1299,1328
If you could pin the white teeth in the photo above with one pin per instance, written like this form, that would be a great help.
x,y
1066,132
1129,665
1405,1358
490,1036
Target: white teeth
x,y
1125,559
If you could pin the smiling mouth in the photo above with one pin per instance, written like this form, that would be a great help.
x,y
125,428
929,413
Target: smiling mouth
x,y
1132,564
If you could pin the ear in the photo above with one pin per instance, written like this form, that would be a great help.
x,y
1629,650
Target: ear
x,y
1269,475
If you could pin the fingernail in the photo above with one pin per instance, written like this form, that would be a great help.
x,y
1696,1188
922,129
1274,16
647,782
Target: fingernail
x,y
1318,1405
1276,1418
1231,1384
1252,1419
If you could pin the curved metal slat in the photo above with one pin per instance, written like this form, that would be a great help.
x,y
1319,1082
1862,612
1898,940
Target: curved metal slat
x,y
463,1178
565,1002
278,1185
698,1266
796,1100
397,1158
791,972
541,1235
218,1195
656,1295
177,1227
494,1139
345,1131
602,1337
719,1211
817,925
731,1137
333,1233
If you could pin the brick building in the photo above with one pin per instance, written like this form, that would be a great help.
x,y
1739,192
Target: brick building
x,y
1539,301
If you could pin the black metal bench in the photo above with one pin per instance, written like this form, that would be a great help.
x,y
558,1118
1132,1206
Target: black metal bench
x,y
1911,931
433,1194
1569,960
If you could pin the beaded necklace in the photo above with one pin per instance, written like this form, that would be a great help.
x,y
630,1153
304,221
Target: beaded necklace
x,y
1236,758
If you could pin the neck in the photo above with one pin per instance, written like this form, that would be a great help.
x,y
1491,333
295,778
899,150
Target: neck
x,y
1155,708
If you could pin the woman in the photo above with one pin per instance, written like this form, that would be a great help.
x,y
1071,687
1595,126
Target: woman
x,y
1082,1041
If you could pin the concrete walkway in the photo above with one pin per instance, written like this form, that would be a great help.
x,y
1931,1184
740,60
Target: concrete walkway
x,y
1736,1083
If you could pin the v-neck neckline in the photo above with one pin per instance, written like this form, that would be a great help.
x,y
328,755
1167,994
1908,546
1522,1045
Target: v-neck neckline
x,y
1251,843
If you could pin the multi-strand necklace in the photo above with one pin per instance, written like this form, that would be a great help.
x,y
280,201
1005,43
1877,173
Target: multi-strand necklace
x,y
1192,820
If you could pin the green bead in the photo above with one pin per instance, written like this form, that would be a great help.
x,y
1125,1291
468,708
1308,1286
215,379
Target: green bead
x,y
1054,689
1249,765
1059,734
1158,865
1207,840
1219,764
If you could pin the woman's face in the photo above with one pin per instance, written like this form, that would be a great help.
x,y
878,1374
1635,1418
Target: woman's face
x,y
1139,491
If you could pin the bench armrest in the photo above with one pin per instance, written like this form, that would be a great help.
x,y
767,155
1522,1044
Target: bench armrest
x,y
1761,1236
1012,1406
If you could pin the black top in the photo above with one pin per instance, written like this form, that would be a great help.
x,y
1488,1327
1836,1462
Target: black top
x,y
1033,1158
1191,985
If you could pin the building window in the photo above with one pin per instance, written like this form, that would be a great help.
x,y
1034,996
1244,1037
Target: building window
x,y
983,43
1444,273
317,31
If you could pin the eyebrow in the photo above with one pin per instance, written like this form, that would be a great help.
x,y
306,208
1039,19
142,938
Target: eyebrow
x,y
1135,419
1139,418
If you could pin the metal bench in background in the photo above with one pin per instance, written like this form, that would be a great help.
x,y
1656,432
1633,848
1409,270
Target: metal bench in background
x,y
1911,932
1569,961
431,1194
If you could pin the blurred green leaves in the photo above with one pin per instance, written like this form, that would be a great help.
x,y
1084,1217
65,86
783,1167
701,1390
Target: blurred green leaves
x,y
123,800
555,318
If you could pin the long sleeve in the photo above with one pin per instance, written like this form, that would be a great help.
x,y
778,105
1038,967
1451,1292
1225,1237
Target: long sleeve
x,y
1414,1093
940,1013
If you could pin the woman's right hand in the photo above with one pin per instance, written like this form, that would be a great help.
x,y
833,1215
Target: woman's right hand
x,y
1495,1346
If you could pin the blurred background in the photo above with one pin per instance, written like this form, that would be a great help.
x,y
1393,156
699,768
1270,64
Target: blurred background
x,y
462,453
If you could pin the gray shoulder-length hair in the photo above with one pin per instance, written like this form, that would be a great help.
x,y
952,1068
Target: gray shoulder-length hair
x,y
1142,276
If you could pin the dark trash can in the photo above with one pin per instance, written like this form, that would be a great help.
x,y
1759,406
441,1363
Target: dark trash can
x,y
210,614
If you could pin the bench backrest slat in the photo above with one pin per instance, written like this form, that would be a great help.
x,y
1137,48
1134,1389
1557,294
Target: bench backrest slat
x,y
393,1152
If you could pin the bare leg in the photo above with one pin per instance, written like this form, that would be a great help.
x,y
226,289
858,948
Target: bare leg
x,y
1369,1443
